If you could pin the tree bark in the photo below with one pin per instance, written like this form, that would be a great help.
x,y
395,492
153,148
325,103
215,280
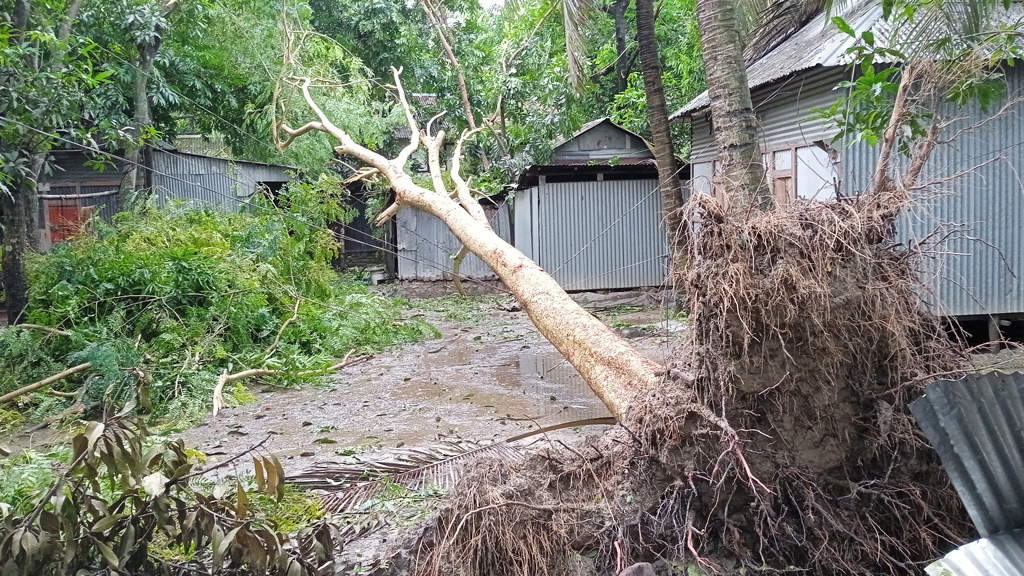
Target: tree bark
x,y
622,60
657,114
741,174
14,217
142,118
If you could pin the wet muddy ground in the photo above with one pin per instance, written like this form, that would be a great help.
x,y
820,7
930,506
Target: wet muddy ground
x,y
490,376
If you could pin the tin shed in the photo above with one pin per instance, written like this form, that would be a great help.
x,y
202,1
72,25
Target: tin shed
x,y
78,190
592,216
978,199
426,246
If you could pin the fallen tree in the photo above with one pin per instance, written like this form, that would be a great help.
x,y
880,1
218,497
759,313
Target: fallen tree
x,y
615,370
780,439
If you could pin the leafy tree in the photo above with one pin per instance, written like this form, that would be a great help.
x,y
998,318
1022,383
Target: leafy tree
x,y
47,81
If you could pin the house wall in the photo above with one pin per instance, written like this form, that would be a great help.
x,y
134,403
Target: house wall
x,y
601,142
594,235
798,150
425,245
974,200
210,181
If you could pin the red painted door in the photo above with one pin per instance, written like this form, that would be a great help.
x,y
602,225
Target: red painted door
x,y
64,221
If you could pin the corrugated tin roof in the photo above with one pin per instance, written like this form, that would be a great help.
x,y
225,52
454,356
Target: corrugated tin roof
x,y
976,425
641,167
819,43
999,555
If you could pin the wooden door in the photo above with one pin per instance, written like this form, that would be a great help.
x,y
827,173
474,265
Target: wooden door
x,y
65,220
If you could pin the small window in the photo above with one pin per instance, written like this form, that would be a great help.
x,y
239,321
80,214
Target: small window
x,y
816,174
780,176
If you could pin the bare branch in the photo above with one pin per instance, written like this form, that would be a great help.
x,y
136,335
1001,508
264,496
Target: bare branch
x,y
430,123
386,214
225,378
414,137
461,188
44,382
889,138
434,161
293,134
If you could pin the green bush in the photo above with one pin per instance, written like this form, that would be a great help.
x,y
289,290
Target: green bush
x,y
163,301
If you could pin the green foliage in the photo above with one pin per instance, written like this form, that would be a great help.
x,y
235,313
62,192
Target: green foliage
x,y
122,503
960,54
162,302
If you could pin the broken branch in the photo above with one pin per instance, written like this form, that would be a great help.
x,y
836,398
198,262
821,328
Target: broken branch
x,y
44,382
225,378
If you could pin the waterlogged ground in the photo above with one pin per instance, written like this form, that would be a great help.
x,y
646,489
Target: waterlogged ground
x,y
490,376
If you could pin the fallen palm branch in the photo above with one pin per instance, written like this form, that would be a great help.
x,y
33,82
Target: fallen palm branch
x,y
351,486
225,378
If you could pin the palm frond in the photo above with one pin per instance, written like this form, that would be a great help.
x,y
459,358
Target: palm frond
x,y
575,17
350,486
768,23
926,32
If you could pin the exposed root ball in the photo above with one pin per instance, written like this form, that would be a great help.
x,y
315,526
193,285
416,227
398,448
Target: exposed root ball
x,y
781,439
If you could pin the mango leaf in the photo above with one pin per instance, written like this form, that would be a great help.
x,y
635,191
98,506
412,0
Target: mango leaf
x,y
93,431
241,501
109,556
105,524
280,476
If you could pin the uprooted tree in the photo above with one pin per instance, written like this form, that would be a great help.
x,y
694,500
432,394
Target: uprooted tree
x,y
780,438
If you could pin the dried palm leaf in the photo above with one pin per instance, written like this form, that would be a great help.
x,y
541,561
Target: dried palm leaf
x,y
350,486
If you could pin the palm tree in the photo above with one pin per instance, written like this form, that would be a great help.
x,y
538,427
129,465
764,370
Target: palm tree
x,y
741,170
657,115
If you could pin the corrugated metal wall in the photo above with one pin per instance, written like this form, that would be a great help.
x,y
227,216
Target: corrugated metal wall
x,y
211,181
426,245
785,113
975,200
976,271
595,235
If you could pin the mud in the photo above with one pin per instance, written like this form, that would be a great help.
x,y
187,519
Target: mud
x,y
490,377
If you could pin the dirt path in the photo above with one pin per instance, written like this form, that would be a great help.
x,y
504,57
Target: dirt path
x,y
491,375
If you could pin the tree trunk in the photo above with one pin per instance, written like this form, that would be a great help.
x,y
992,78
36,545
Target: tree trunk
x,y
439,23
615,370
657,114
741,174
14,218
622,60
141,120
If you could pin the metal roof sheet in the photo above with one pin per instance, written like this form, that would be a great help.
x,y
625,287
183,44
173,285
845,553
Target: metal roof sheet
x,y
999,555
819,43
976,425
